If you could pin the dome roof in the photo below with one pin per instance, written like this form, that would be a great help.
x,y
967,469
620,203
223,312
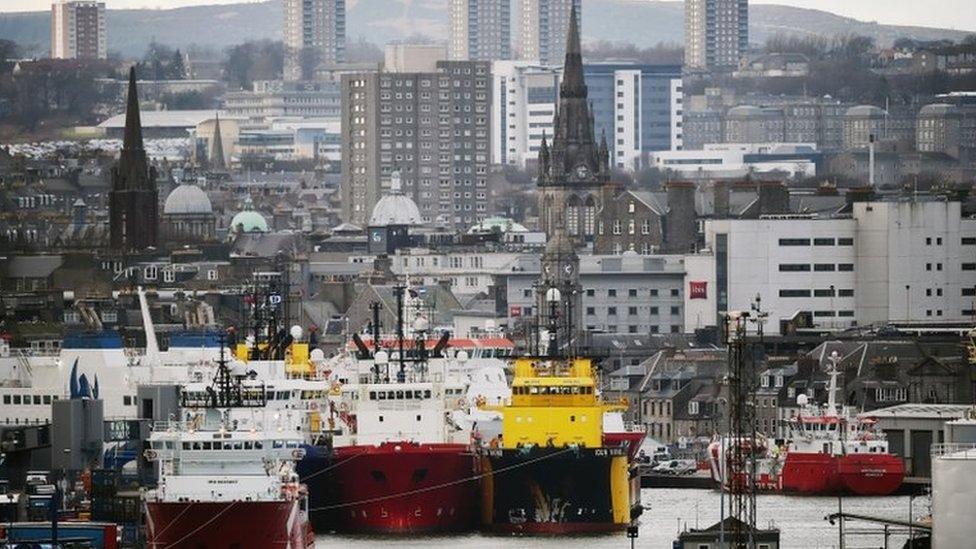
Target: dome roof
x,y
249,221
395,208
187,199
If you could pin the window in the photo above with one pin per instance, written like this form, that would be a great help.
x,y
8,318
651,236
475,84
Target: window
x,y
611,293
969,266
890,394
654,292
845,241
590,292
823,241
654,310
968,241
591,311
212,274
675,311
631,293
632,311
845,267
693,408
794,267
824,267
674,292
794,242
845,293
829,292
611,311
794,293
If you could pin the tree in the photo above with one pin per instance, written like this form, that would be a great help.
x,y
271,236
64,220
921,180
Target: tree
x,y
362,51
250,61
176,70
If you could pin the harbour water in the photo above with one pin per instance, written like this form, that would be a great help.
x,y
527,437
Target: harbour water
x,y
801,520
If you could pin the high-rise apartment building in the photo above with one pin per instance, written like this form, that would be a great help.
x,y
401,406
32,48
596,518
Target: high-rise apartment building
x,y
431,127
542,29
716,33
78,30
480,30
315,33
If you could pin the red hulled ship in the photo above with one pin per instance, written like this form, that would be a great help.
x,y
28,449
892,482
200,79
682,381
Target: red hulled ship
x,y
227,481
829,451
402,425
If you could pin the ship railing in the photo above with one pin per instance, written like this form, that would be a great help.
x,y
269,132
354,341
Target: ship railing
x,y
954,450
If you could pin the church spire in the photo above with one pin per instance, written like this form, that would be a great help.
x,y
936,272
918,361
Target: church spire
x,y
133,124
573,84
217,154
133,200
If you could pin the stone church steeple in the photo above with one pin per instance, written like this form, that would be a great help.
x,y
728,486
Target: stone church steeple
x,y
575,158
134,198
573,167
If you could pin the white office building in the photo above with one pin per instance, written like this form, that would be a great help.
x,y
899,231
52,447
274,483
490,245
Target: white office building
x,y
903,262
734,160
523,107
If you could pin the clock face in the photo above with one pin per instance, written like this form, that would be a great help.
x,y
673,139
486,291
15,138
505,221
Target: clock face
x,y
582,172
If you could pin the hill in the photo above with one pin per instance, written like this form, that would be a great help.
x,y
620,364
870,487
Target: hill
x,y
643,22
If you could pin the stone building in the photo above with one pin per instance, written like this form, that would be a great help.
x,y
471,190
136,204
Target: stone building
x,y
188,216
133,200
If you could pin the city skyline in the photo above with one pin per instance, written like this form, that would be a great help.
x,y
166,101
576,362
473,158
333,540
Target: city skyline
x,y
955,14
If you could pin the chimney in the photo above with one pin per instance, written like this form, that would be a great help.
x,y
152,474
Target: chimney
x,y
680,224
774,198
721,198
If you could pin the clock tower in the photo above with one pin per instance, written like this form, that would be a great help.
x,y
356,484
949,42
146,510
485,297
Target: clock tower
x,y
574,169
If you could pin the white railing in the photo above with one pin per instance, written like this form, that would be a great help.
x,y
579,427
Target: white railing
x,y
954,450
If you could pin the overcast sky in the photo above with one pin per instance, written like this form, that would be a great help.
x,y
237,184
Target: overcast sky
x,y
953,14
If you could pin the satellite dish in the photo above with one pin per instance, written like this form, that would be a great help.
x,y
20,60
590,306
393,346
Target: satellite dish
x,y
296,332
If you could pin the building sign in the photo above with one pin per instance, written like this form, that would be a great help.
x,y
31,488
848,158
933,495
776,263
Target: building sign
x,y
698,289
515,311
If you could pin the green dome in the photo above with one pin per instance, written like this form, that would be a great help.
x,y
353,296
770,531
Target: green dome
x,y
249,221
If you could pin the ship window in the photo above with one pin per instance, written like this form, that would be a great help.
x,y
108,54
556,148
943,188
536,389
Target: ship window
x,y
399,395
6,399
291,444
197,446
372,395
572,418
418,417
418,394
533,390
238,445
16,399
277,444
381,419
258,445
207,445
186,445
282,395
390,395
381,395
427,394
168,444
37,399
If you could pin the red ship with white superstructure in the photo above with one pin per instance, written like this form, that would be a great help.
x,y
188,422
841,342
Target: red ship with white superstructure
x,y
402,426
227,480
829,451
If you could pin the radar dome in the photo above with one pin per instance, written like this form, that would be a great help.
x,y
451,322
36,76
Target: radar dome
x,y
296,332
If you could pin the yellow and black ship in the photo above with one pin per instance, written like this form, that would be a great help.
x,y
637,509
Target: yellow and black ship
x,y
550,471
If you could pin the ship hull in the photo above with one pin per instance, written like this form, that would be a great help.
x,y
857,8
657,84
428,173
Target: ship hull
x,y
212,525
553,491
870,474
396,488
818,474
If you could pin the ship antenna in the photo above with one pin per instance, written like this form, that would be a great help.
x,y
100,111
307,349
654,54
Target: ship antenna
x,y
398,290
834,371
